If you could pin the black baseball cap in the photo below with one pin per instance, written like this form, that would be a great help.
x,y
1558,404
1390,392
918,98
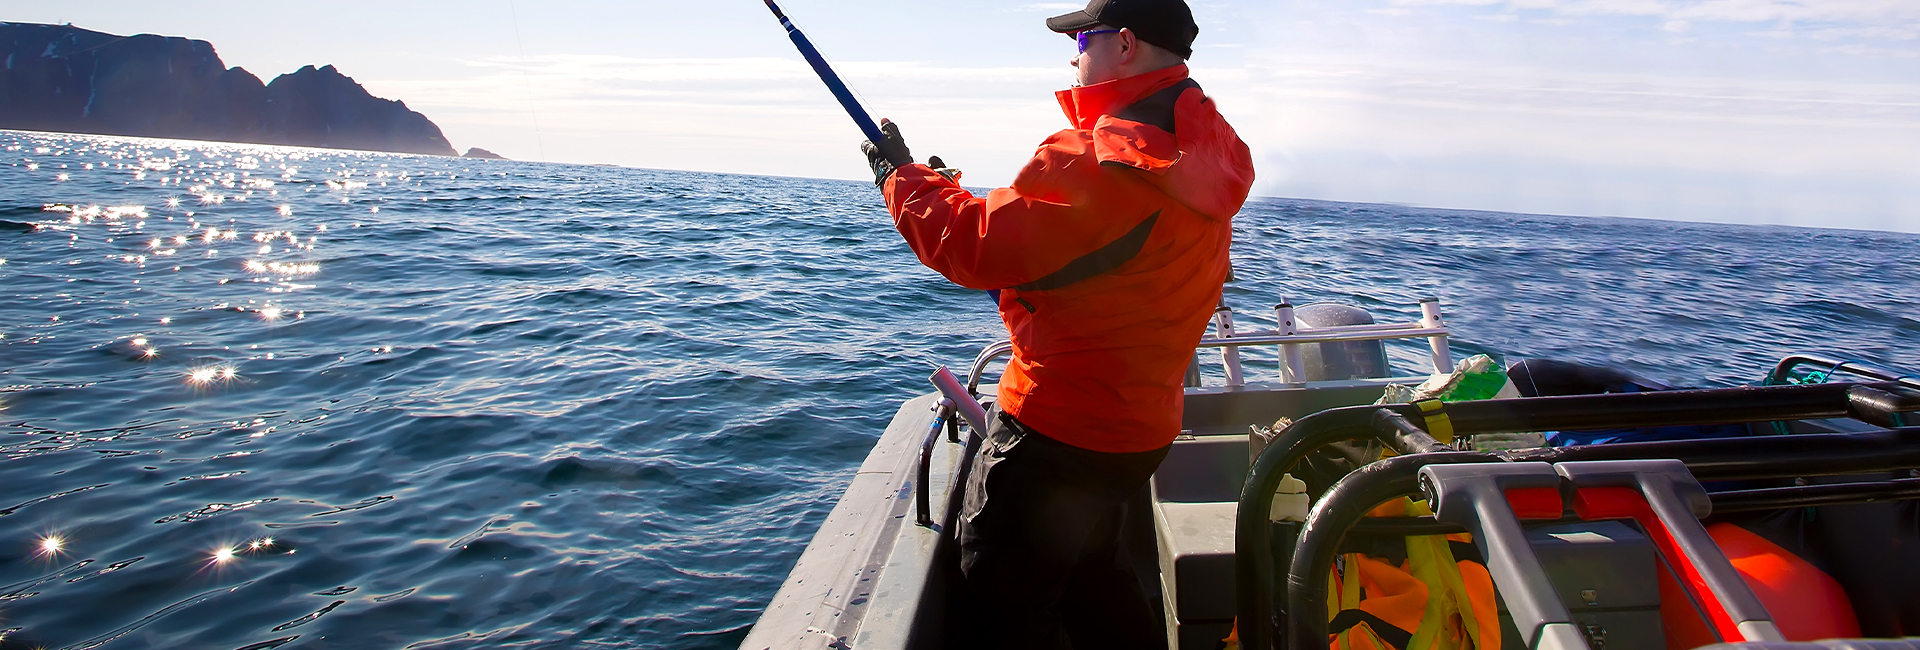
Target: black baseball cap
x,y
1166,23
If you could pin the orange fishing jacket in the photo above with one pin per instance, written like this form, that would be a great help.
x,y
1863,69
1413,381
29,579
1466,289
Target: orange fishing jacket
x,y
1109,251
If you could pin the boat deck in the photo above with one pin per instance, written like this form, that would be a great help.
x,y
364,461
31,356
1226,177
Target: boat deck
x,y
863,582
874,578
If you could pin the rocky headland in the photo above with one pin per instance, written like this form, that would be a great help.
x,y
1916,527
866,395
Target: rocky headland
x,y
66,79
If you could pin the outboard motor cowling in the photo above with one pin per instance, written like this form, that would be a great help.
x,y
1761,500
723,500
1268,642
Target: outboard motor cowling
x,y
1344,359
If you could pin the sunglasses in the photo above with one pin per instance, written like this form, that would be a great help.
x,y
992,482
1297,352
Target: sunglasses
x,y
1081,37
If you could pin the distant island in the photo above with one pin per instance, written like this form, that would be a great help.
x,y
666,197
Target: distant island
x,y
476,152
66,79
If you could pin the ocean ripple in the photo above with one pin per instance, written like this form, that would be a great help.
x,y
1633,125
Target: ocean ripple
x,y
401,401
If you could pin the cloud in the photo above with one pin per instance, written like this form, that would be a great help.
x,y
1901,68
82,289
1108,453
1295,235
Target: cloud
x,y
1811,153
559,74
1554,110
1864,12
750,115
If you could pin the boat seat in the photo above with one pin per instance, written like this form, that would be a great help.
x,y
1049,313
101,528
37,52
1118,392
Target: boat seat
x,y
1195,493
1196,549
1203,469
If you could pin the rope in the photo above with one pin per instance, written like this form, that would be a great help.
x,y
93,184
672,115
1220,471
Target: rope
x,y
1815,377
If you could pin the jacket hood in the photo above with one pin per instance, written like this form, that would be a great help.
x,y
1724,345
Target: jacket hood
x,y
1203,164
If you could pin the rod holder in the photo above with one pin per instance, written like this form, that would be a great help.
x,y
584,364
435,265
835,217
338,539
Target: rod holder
x,y
963,401
1430,319
1229,355
1293,367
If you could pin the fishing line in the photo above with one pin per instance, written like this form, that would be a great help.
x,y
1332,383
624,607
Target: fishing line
x,y
525,83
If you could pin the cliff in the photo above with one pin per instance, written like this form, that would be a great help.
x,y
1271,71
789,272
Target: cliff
x,y
67,79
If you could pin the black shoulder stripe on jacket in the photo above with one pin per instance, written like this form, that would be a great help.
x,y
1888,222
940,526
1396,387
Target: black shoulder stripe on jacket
x,y
1157,108
1106,258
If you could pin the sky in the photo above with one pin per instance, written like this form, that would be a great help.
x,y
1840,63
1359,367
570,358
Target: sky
x,y
1741,111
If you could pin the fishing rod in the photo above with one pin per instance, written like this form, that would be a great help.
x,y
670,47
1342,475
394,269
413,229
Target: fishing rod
x,y
839,88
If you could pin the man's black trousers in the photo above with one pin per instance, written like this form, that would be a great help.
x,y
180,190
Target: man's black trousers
x,y
1042,555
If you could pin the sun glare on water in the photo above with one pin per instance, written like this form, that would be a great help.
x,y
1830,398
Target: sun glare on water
x,y
173,263
206,375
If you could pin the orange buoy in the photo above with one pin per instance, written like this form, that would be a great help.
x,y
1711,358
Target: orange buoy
x,y
1806,603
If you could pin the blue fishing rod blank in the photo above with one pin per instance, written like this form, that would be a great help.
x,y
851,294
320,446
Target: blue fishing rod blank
x,y
839,88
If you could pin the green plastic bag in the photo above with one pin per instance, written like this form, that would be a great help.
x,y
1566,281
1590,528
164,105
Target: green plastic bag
x,y
1475,378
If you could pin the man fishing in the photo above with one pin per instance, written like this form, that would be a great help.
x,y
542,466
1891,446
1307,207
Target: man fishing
x,y
1107,255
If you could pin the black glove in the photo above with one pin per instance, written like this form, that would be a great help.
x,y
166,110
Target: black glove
x,y
890,153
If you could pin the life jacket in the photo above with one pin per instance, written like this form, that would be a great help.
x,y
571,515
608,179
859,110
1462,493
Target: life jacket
x,y
1430,601
1433,600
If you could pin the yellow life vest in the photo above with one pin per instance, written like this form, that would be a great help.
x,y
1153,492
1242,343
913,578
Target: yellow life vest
x,y
1432,601
1429,602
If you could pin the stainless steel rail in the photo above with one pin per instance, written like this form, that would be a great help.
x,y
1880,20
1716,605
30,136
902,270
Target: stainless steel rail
x,y
1289,337
1328,335
1785,368
980,362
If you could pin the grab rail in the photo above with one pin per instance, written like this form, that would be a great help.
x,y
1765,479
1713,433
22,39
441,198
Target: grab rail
x,y
980,362
922,509
1867,402
956,403
1266,337
1290,335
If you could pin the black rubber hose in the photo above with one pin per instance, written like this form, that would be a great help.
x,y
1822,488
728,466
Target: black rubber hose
x,y
1802,496
1253,558
1402,435
1736,459
1665,408
1886,408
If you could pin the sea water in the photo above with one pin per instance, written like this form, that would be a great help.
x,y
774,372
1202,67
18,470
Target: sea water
x,y
262,396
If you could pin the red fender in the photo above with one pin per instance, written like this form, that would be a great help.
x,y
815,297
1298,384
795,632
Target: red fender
x,y
1806,603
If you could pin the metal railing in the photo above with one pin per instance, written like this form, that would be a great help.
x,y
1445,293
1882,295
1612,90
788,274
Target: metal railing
x,y
1783,371
981,361
1290,335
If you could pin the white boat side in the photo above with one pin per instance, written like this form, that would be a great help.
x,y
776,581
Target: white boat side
x,y
864,579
